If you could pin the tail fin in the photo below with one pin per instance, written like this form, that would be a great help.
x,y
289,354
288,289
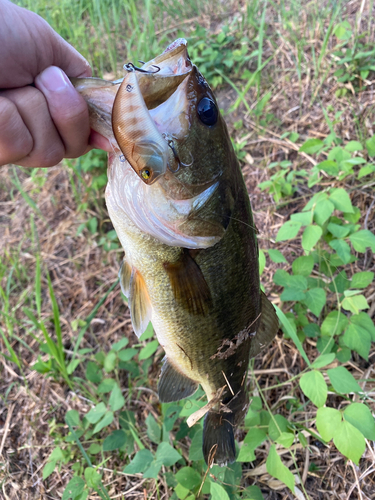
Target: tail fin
x,y
218,435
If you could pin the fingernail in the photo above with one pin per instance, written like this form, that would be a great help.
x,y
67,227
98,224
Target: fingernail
x,y
54,79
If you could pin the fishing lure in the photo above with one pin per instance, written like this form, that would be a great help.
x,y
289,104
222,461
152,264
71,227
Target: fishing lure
x,y
136,133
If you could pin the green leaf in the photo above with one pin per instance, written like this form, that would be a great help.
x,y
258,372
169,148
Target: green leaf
x,y
117,346
343,381
116,440
327,421
278,424
195,451
116,399
359,415
292,294
343,354
253,439
349,441
314,387
352,146
358,339
311,236
292,333
106,386
140,462
315,300
153,429
334,323
110,361
73,488
342,30
341,200
218,492
48,469
323,211
288,231
362,240
252,493
362,279
170,417
342,249
96,413
311,146
127,354
286,439
364,321
93,373
277,469
72,418
92,477
188,478
303,265
167,455
148,350
276,256
324,360
337,230
106,420
370,146
304,218
282,278
329,166
355,303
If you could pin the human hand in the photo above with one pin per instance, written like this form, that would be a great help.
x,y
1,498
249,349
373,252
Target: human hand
x,y
40,125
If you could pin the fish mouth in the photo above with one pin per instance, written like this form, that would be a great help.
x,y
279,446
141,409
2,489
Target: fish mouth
x,y
173,66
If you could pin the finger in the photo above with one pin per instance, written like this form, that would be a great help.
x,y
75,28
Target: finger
x,y
47,148
68,110
97,141
15,139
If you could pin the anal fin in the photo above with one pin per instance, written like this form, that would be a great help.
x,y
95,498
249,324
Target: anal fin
x,y
173,385
189,286
267,329
139,303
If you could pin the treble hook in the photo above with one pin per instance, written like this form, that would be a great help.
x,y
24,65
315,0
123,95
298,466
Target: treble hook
x,y
130,67
179,162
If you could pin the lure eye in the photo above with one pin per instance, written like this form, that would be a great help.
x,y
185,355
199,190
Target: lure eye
x,y
146,174
207,111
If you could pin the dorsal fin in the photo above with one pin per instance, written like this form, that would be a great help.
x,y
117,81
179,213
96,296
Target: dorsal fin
x,y
173,385
189,286
139,303
268,327
124,275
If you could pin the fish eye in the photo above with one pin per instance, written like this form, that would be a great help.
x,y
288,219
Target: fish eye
x,y
207,111
146,174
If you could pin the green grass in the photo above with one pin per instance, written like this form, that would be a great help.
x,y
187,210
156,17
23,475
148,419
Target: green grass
x,y
59,299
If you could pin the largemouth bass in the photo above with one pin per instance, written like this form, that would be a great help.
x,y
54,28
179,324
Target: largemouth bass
x,y
179,205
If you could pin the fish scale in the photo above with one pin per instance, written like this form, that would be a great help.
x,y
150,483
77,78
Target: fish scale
x,y
191,253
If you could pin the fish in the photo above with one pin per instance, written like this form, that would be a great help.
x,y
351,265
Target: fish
x,y
191,253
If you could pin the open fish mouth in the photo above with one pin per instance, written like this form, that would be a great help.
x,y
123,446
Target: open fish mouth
x,y
149,112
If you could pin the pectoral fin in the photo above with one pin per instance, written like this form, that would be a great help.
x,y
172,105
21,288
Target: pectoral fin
x,y
268,327
173,385
189,286
139,303
124,275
